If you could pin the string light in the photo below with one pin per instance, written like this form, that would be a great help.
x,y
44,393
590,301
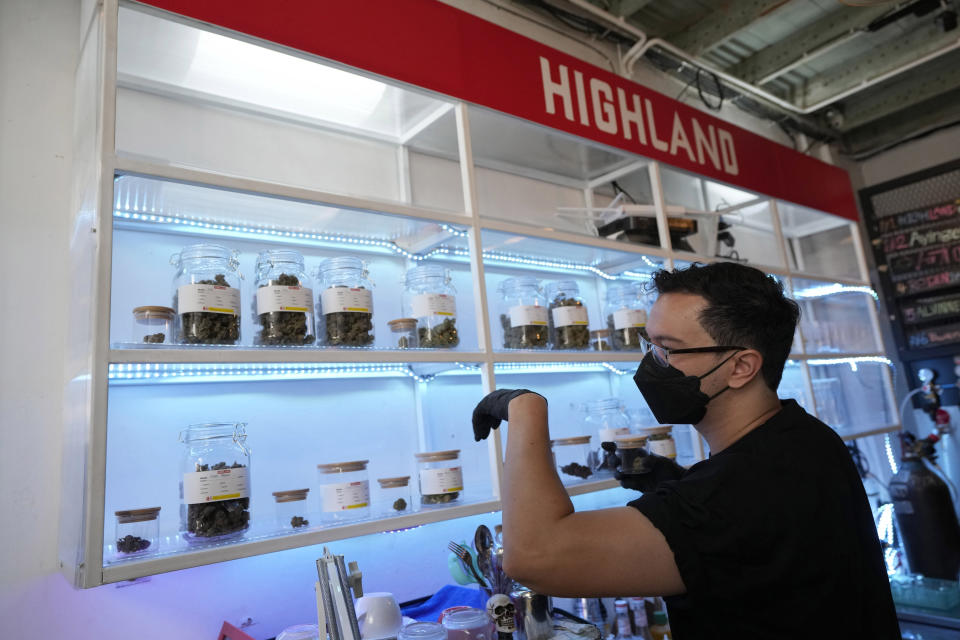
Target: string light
x,y
833,289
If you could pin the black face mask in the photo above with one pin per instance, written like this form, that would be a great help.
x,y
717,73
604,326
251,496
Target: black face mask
x,y
673,397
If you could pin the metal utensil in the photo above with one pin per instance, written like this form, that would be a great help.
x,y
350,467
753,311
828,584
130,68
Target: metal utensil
x,y
467,560
483,543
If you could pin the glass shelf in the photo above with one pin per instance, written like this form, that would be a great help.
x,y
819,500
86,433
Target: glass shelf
x,y
832,317
818,243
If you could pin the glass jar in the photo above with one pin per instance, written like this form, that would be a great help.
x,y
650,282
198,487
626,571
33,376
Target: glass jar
x,y
600,340
422,631
572,458
632,450
568,316
429,297
346,303
344,491
206,294
523,313
291,509
660,441
137,532
153,325
606,418
626,312
394,497
469,624
403,333
283,306
215,481
441,477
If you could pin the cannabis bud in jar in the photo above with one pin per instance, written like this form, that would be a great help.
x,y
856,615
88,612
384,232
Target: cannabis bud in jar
x,y
524,314
346,304
441,476
209,519
284,301
430,298
568,316
626,311
207,295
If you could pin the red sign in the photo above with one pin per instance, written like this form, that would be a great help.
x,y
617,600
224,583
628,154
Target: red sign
x,y
437,47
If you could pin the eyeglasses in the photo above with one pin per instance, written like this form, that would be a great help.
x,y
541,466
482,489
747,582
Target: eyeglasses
x,y
662,354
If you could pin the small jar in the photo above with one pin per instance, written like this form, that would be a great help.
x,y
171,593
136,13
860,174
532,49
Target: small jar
x,y
572,458
206,294
153,325
291,509
283,305
403,333
660,441
469,624
523,313
568,316
626,311
422,631
632,452
606,418
600,340
441,477
346,303
430,297
215,482
344,491
394,497
137,532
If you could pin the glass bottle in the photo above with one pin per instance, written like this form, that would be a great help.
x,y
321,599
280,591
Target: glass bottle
x,y
394,497
422,631
606,418
441,477
283,305
403,332
626,312
638,617
430,297
344,491
572,458
153,325
621,626
291,509
568,320
660,440
215,481
523,313
600,340
632,452
206,294
346,303
137,532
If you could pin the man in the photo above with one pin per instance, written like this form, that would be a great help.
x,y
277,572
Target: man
x,y
770,537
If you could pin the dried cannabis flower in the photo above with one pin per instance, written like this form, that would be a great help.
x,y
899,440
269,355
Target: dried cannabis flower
x,y
298,521
572,336
626,339
527,336
154,338
209,519
439,498
284,327
399,504
441,336
132,544
203,327
576,469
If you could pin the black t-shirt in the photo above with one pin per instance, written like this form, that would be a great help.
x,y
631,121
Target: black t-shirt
x,y
774,538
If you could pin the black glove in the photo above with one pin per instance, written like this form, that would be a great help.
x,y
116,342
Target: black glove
x,y
490,411
654,470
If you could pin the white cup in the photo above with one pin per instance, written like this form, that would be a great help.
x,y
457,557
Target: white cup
x,y
378,616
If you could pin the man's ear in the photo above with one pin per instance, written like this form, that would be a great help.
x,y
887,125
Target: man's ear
x,y
746,366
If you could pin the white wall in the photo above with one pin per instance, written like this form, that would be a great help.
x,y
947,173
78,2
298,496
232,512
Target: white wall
x,y
908,158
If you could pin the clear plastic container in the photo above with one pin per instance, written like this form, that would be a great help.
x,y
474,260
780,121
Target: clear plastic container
x,y
301,632
206,294
441,477
215,482
422,631
626,311
283,305
523,313
430,297
346,303
605,418
660,440
394,496
469,624
291,509
153,325
403,333
568,320
600,340
572,456
632,451
137,532
344,491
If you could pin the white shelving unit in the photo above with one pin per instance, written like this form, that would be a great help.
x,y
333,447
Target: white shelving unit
x,y
176,147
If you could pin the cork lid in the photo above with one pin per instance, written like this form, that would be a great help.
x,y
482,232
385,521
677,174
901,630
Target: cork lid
x,y
137,515
562,442
391,483
153,312
630,442
401,324
437,456
654,431
343,467
293,495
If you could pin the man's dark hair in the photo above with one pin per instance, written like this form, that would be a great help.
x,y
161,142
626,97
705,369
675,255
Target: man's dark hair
x,y
745,307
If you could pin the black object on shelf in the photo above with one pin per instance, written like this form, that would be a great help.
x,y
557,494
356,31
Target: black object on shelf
x,y
641,230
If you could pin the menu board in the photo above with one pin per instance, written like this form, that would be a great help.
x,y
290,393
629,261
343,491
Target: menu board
x,y
918,258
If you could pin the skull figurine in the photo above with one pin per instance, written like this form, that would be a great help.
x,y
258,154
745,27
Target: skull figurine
x,y
501,611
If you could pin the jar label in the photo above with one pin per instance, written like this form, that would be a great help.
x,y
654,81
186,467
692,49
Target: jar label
x,y
433,304
212,486
666,448
570,316
339,299
274,298
629,319
523,315
210,298
344,496
434,481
